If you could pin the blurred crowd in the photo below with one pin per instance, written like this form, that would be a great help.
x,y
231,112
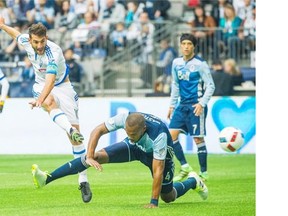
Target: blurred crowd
x,y
82,25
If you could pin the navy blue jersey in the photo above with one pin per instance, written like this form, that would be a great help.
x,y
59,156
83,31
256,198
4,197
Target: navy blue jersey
x,y
156,138
191,81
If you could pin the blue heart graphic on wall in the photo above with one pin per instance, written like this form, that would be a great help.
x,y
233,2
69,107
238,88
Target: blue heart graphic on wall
x,y
225,113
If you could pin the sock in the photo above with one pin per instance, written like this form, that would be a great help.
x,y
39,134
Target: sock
x,y
59,117
202,156
179,152
182,187
80,151
70,168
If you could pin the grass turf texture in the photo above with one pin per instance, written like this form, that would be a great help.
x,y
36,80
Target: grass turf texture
x,y
123,189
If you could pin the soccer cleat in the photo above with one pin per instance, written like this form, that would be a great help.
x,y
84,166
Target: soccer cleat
x,y
201,188
183,174
85,191
1,106
75,135
204,176
39,176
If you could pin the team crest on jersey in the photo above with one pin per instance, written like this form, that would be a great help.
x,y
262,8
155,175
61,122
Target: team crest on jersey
x,y
192,67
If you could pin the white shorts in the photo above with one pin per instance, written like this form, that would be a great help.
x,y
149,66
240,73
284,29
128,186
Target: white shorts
x,y
65,97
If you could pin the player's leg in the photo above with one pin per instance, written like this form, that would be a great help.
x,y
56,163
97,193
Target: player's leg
x,y
198,131
178,124
171,191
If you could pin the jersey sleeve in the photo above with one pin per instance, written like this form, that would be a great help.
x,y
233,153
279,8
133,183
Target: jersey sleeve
x,y
160,147
209,84
116,122
175,86
53,57
23,40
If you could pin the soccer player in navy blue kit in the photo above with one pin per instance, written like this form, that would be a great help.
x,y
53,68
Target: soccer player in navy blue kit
x,y
148,141
193,84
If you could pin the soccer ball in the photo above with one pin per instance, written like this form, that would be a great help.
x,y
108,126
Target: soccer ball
x,y
231,139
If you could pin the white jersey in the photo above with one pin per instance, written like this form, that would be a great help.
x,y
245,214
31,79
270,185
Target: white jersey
x,y
51,62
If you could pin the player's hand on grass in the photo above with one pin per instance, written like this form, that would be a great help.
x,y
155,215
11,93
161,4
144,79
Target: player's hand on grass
x,y
94,163
150,205
198,109
170,112
35,103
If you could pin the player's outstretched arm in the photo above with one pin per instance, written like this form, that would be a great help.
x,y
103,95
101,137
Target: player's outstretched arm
x,y
158,168
9,30
95,135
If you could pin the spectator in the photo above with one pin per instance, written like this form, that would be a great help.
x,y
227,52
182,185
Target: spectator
x,y
42,13
230,67
66,19
203,35
164,67
80,7
143,32
28,78
75,69
218,11
248,31
223,81
5,13
111,14
18,11
245,11
230,25
119,36
134,9
14,52
86,36
157,10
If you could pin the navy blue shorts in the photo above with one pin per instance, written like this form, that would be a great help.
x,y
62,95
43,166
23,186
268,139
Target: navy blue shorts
x,y
123,152
184,119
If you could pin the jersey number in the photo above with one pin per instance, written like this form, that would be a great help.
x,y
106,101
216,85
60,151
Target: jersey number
x,y
194,128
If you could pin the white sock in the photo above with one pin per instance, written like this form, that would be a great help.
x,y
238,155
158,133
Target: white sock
x,y
80,151
59,117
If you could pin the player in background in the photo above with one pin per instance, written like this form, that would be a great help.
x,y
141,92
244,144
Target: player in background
x,y
4,89
193,84
52,89
148,141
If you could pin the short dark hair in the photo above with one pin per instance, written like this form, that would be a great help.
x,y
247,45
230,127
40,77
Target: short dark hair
x,y
189,37
37,29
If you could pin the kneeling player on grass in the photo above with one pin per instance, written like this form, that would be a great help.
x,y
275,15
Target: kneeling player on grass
x,y
148,141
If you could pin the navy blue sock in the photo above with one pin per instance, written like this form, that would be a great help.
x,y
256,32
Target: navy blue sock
x,y
72,167
202,156
183,187
179,152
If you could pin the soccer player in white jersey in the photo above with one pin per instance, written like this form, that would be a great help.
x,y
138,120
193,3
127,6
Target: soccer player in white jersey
x,y
193,84
4,89
52,89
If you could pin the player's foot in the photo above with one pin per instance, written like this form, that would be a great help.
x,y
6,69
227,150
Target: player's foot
x,y
201,188
183,174
1,106
85,191
204,176
75,135
39,176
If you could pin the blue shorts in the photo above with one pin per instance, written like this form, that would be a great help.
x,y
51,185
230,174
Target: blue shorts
x,y
123,152
184,119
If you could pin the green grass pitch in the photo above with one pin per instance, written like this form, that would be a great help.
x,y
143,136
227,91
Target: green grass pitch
x,y
123,189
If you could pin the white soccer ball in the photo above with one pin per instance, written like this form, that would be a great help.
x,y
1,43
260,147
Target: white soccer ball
x,y
231,139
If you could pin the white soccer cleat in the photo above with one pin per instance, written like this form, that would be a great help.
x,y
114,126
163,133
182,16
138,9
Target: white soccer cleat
x,y
201,188
39,177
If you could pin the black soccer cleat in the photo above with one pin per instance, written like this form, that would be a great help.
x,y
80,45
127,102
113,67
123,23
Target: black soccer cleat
x,y
85,191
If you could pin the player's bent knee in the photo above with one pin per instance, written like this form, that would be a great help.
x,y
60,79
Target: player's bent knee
x,y
198,140
167,198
